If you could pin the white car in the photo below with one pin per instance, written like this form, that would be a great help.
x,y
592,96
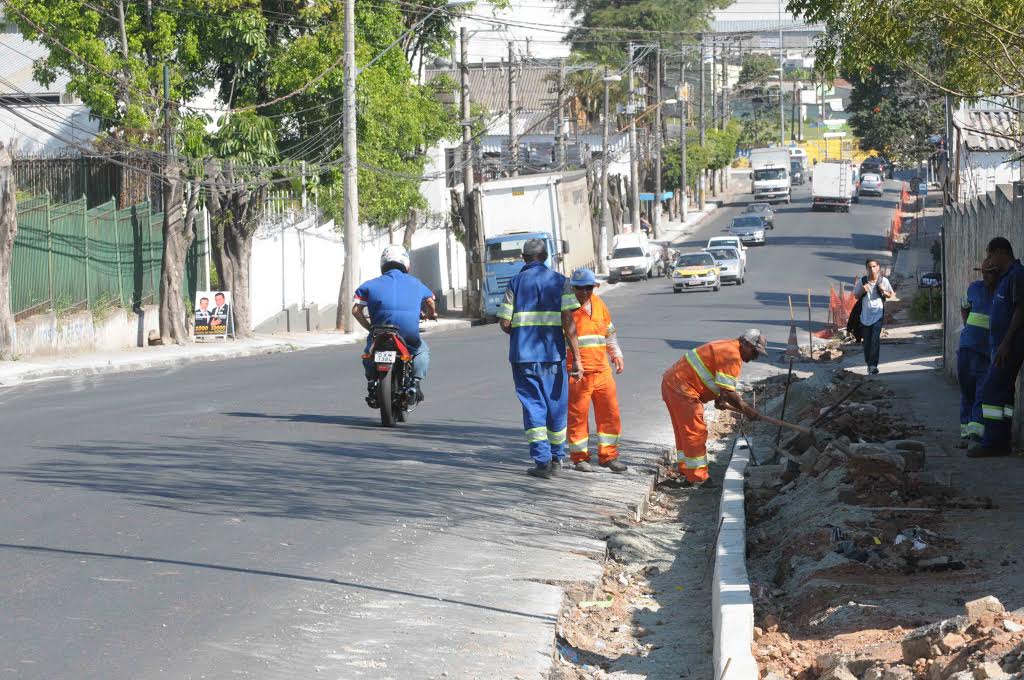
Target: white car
x,y
728,242
749,228
730,265
695,271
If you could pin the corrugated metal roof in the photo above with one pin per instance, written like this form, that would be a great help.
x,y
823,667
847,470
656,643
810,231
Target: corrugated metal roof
x,y
763,26
17,57
988,130
536,85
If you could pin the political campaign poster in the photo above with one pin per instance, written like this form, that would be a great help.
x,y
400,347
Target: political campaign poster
x,y
213,317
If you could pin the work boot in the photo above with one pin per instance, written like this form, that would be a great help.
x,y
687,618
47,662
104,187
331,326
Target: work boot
x,y
707,484
555,465
542,471
980,451
583,466
371,394
615,465
419,391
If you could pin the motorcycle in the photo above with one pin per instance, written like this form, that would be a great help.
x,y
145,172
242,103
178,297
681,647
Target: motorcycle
x,y
396,394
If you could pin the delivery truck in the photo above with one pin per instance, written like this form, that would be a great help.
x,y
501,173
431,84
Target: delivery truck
x,y
832,186
554,207
769,175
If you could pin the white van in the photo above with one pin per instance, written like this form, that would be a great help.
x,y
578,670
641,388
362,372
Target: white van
x,y
632,258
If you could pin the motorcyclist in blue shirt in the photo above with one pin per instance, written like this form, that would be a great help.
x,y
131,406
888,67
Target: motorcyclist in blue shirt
x,y
396,298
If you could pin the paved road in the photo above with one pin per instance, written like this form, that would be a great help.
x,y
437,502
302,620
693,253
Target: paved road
x,y
250,519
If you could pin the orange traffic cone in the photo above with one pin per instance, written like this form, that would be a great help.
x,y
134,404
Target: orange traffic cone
x,y
792,347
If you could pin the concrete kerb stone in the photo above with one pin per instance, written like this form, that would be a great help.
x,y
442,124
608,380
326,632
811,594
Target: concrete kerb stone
x,y
731,601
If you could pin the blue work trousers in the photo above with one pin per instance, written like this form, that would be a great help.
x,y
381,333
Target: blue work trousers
x,y
543,390
420,361
997,398
971,366
872,343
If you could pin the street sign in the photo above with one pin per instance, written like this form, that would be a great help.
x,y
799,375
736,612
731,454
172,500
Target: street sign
x,y
646,196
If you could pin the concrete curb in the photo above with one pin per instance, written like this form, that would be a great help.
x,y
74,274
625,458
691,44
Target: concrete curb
x,y
732,606
259,346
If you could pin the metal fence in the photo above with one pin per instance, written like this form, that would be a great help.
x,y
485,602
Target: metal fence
x,y
129,178
67,256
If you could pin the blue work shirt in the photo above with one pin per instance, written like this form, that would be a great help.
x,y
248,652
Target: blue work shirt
x,y
1009,293
534,302
395,298
978,300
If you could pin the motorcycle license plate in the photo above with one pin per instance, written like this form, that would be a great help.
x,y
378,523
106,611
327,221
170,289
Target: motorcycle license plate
x,y
384,357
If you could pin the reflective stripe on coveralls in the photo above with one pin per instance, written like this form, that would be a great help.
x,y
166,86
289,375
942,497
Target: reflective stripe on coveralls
x,y
701,370
978,319
520,319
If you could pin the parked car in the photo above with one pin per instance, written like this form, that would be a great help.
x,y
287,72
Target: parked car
x,y
730,265
871,184
796,172
632,258
728,242
764,211
695,271
876,165
749,229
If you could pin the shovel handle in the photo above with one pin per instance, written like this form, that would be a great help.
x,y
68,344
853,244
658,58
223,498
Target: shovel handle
x,y
780,423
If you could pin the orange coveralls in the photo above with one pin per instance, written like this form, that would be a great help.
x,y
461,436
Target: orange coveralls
x,y
699,376
597,385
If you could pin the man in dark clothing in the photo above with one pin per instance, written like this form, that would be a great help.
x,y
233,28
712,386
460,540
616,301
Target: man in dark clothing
x,y
1006,342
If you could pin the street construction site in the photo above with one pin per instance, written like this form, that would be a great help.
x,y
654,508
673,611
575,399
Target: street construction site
x,y
874,549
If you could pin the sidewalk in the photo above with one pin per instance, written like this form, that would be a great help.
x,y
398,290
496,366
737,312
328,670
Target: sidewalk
x,y
14,373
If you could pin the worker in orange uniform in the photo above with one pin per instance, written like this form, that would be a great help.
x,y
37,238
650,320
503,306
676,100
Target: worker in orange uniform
x,y
710,372
596,334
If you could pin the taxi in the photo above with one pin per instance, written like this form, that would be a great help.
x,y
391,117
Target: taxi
x,y
696,271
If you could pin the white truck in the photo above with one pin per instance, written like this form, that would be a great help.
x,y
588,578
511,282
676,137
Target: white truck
x,y
832,185
554,207
769,175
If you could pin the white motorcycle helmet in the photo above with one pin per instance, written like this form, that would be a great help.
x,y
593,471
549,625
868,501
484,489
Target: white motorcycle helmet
x,y
395,254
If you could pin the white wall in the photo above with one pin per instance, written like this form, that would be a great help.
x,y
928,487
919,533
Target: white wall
x,y
980,172
66,127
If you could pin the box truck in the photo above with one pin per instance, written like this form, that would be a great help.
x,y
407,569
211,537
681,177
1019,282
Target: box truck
x,y
769,175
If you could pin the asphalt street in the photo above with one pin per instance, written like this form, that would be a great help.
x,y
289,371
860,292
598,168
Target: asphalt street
x,y
251,519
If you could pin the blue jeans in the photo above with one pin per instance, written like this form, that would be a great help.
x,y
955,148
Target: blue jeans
x,y
872,340
420,361
543,391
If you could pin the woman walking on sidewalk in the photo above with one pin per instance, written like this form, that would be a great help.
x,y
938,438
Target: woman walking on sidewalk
x,y
874,290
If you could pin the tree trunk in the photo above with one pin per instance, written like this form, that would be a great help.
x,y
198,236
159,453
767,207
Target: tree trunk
x,y
236,205
178,236
411,222
8,230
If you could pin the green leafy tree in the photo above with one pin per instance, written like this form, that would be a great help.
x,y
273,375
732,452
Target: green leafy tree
x,y
756,68
968,49
894,112
759,129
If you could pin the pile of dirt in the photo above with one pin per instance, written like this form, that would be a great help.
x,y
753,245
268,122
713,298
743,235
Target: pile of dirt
x,y
985,643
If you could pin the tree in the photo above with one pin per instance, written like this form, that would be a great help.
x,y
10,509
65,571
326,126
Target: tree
x,y
969,49
759,129
756,68
894,112
8,230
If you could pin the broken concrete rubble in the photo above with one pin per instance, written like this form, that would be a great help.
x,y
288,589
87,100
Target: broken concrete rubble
x,y
984,610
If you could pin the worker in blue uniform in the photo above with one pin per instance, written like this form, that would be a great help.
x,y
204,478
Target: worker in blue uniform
x,y
1006,343
972,355
538,315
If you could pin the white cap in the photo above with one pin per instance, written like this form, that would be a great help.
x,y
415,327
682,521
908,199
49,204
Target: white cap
x,y
755,339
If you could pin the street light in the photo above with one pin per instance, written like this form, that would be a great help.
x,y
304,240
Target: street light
x,y
350,154
602,245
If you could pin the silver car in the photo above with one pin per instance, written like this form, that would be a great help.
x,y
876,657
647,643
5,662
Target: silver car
x,y
871,184
764,211
749,229
730,265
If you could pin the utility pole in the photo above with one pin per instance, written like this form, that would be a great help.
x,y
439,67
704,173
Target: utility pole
x,y
684,114
725,87
559,117
473,303
513,136
703,135
782,107
602,244
351,187
656,207
713,76
634,170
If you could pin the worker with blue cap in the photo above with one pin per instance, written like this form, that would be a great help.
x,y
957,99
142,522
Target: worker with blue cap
x,y
538,315
598,344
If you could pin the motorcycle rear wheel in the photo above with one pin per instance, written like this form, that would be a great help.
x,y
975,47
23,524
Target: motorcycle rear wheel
x,y
386,400
398,389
